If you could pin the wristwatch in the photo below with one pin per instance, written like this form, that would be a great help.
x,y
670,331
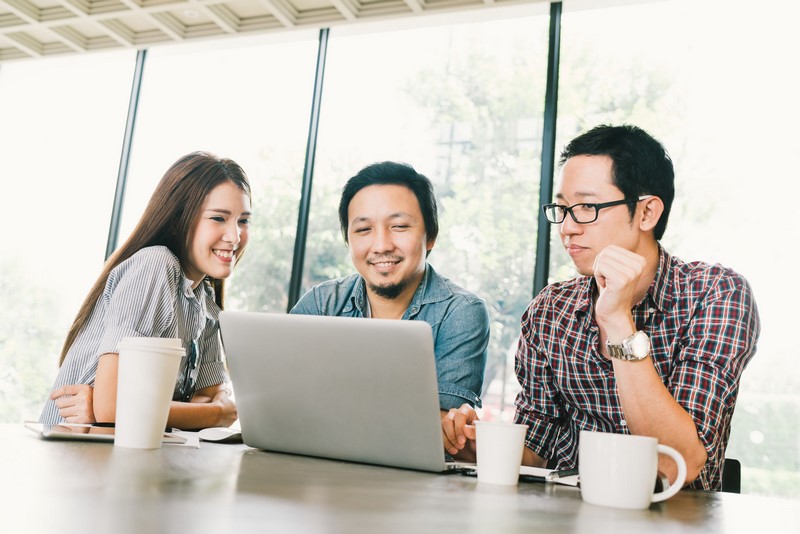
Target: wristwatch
x,y
634,347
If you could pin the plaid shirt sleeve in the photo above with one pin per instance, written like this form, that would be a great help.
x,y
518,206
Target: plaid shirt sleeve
x,y
537,403
712,350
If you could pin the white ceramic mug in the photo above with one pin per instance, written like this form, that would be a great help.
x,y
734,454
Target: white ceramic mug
x,y
148,370
499,449
620,470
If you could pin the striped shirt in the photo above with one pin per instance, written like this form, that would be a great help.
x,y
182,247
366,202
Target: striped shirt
x,y
146,295
703,326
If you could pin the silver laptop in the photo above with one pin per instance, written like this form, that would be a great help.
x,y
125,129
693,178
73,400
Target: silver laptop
x,y
361,390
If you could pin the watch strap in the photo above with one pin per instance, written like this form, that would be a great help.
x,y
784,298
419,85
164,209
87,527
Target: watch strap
x,y
622,351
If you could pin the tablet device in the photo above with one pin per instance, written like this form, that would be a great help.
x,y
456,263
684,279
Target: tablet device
x,y
77,432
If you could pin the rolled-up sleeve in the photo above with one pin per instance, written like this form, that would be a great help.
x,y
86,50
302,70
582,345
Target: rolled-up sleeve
x,y
461,345
536,404
212,367
140,298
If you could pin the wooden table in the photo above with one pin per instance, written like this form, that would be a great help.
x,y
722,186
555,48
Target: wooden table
x,y
62,487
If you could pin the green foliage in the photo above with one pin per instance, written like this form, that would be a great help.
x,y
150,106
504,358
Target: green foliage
x,y
30,341
261,282
488,180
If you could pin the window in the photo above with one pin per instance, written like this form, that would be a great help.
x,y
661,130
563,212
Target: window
x,y
61,126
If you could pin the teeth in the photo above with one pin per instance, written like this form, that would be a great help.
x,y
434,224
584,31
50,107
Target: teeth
x,y
224,253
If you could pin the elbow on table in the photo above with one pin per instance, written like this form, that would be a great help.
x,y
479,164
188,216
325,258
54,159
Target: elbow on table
x,y
104,412
695,462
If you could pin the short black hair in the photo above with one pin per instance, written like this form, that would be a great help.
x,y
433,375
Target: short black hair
x,y
391,173
640,164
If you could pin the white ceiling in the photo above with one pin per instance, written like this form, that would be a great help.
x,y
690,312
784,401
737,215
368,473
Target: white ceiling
x,y
39,28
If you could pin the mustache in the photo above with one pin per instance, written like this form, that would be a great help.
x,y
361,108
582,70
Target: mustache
x,y
379,259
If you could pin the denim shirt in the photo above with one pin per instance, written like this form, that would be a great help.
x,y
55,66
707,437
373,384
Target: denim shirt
x,y
458,318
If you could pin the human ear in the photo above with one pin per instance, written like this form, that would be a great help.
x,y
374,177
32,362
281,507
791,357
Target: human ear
x,y
652,209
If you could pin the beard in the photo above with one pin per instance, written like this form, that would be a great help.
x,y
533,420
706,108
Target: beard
x,y
390,291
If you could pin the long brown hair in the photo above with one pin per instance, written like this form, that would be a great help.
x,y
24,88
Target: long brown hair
x,y
168,220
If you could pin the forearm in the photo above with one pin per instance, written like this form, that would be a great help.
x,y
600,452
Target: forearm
x,y
648,406
104,400
205,410
650,410
210,406
532,459
193,415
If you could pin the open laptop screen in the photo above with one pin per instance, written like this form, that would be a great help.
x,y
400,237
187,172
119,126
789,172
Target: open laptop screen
x,y
361,390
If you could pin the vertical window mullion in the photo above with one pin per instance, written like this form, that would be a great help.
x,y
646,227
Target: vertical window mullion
x,y
542,267
298,258
125,155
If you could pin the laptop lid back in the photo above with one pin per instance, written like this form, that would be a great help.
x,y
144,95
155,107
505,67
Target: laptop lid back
x,y
362,390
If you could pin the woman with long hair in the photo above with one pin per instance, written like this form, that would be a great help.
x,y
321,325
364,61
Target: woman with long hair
x,y
167,280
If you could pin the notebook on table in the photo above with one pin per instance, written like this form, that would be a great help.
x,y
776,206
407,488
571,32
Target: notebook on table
x,y
360,390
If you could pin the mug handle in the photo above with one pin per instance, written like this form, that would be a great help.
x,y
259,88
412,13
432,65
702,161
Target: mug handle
x,y
681,478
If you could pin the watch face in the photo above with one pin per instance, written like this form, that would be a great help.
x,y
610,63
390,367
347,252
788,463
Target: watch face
x,y
640,345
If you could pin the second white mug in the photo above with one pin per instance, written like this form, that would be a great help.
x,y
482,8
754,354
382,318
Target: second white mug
x,y
620,470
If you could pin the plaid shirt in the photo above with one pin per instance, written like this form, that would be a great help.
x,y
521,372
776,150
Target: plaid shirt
x,y
703,326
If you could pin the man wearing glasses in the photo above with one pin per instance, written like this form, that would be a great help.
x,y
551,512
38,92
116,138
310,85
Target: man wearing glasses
x,y
640,342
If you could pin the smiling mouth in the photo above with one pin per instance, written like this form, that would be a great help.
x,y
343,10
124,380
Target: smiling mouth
x,y
384,264
226,255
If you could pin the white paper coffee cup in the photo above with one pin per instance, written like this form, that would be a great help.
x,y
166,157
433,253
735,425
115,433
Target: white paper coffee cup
x,y
499,449
148,369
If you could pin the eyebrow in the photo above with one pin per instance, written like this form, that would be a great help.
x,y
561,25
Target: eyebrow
x,y
580,194
226,212
397,215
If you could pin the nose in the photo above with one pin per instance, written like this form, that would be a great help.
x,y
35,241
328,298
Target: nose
x,y
569,226
382,241
233,233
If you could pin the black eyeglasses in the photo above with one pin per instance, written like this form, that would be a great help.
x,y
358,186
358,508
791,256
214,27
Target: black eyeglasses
x,y
583,213
185,390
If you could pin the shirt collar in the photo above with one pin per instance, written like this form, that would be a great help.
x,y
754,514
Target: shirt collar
x,y
432,288
358,299
660,291
202,298
188,292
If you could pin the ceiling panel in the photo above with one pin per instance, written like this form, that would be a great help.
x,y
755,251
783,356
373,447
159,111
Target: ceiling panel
x,y
40,28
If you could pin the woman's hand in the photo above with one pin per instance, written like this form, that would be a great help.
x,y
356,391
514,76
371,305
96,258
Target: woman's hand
x,y
74,402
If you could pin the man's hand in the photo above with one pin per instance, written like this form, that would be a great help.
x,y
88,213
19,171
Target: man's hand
x,y
228,413
74,403
617,272
458,432
620,276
